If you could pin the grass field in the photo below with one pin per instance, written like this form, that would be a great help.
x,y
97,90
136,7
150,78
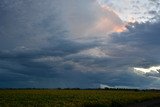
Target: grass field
x,y
73,98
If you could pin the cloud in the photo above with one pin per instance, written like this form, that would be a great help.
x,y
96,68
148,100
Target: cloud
x,y
73,44
86,19
93,52
29,24
153,71
134,10
147,70
103,86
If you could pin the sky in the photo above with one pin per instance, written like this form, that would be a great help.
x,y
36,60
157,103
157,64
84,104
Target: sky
x,y
80,43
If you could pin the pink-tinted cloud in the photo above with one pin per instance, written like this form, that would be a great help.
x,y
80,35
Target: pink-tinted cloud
x,y
90,20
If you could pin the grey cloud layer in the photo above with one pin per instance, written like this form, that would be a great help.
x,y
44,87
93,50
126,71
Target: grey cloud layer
x,y
37,50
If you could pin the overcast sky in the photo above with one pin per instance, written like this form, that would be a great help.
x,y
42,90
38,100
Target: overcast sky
x,y
79,43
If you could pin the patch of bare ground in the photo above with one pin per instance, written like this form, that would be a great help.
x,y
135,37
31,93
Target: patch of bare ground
x,y
150,103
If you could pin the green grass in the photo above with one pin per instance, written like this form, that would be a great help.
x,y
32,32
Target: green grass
x,y
73,98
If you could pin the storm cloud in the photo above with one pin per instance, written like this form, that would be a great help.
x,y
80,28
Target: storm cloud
x,y
50,44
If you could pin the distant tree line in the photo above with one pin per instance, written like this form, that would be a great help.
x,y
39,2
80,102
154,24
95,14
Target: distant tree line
x,y
119,89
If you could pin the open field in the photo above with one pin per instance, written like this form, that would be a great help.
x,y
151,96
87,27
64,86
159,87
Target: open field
x,y
74,98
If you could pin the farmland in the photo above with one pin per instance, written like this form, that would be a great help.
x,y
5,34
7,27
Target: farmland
x,y
73,98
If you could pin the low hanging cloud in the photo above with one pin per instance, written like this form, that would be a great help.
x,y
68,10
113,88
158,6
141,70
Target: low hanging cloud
x,y
153,71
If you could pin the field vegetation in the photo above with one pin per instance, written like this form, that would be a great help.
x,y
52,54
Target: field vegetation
x,y
73,98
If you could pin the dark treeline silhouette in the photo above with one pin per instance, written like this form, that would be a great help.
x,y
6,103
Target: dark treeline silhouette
x,y
118,89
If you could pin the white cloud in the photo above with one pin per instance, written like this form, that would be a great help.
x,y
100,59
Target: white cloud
x,y
94,52
103,86
153,69
134,10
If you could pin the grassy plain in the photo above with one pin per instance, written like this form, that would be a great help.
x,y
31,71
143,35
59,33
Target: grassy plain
x,y
74,98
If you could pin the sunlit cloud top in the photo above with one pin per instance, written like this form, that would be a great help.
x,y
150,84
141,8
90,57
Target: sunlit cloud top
x,y
155,69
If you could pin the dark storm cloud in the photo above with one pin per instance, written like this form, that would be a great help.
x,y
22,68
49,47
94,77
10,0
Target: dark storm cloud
x,y
143,41
24,23
37,50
